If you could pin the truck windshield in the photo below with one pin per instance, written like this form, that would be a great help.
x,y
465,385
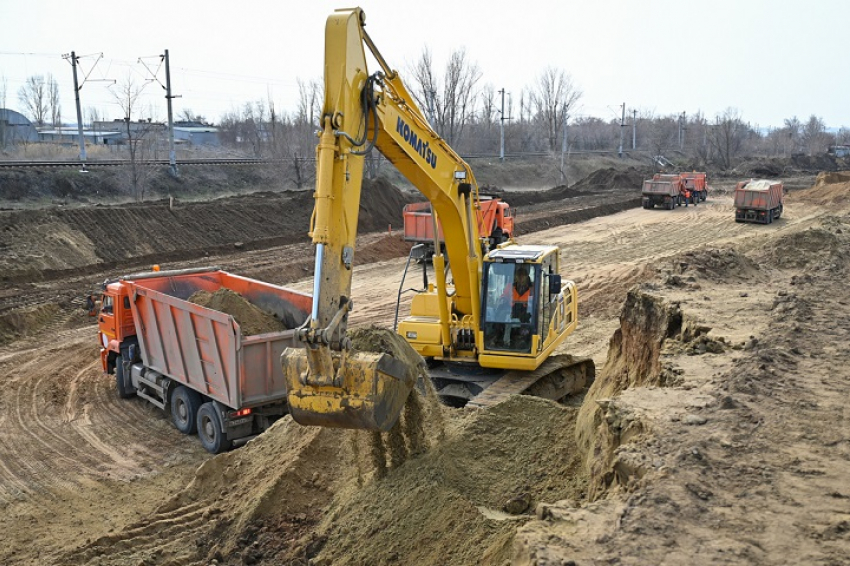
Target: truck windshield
x,y
107,304
510,306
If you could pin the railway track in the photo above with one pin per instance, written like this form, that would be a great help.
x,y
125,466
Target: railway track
x,y
97,163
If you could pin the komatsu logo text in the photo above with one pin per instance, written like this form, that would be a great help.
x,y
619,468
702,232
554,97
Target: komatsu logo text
x,y
420,147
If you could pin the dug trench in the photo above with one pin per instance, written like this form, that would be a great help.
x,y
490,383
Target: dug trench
x,y
55,257
715,433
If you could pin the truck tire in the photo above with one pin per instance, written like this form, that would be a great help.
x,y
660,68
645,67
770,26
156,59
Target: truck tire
x,y
125,388
185,403
210,430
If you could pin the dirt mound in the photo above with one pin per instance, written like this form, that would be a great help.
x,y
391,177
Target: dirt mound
x,y
813,247
602,180
59,240
772,167
251,319
464,496
389,247
830,188
711,264
381,205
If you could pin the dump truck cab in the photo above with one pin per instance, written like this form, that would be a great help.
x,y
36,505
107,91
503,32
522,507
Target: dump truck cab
x,y
114,323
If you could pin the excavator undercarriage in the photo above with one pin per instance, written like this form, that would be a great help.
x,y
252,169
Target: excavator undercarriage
x,y
470,385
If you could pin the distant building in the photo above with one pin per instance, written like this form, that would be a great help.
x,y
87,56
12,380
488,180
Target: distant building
x,y
142,129
196,134
15,128
839,150
71,136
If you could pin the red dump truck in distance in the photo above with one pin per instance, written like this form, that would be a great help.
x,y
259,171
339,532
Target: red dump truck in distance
x,y
665,190
193,361
759,201
495,221
697,184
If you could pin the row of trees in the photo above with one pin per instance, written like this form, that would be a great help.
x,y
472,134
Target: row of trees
x,y
540,119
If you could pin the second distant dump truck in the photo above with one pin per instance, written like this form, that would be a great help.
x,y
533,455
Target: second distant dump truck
x,y
697,184
664,190
494,217
194,362
759,201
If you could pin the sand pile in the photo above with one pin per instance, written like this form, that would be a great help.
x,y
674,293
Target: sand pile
x,y
602,180
831,188
251,319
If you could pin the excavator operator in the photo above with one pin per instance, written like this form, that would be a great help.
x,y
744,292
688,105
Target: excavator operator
x,y
520,293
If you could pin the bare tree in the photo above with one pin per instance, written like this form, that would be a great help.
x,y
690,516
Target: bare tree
x,y
34,97
53,102
553,100
188,115
139,138
814,136
4,133
450,105
727,136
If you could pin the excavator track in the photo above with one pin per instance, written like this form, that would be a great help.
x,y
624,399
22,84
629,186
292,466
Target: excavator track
x,y
558,377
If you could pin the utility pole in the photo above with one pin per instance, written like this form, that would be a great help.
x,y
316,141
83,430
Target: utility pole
x,y
564,150
634,129
681,129
502,128
73,58
622,125
172,158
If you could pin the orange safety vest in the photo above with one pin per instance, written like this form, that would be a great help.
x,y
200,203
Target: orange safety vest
x,y
521,297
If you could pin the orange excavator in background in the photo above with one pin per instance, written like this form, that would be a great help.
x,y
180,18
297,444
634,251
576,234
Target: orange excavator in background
x,y
480,345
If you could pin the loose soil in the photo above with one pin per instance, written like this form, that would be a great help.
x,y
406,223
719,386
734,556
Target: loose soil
x,y
251,318
716,431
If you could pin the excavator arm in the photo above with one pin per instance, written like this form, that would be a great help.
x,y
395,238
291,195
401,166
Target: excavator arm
x,y
328,383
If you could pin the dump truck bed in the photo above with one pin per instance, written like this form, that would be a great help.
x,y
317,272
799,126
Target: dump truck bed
x,y
205,348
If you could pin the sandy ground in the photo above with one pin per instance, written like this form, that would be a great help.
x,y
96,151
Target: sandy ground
x,y
716,433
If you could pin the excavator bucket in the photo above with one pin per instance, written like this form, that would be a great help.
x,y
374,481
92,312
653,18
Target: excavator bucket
x,y
358,390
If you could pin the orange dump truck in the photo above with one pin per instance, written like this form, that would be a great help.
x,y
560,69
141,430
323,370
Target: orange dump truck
x,y
759,201
195,362
665,190
494,216
697,184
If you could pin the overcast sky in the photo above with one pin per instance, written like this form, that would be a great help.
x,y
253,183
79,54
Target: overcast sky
x,y
770,60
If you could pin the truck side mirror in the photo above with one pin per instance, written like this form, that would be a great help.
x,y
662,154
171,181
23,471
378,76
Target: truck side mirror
x,y
554,283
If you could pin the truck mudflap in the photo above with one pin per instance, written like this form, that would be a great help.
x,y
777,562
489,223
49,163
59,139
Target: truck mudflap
x,y
367,391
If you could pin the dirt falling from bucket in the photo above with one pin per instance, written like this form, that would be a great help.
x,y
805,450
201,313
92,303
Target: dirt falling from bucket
x,y
408,436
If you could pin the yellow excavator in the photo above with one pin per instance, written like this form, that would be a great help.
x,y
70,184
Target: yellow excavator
x,y
485,333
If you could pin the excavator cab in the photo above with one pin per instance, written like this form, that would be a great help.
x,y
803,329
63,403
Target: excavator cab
x,y
510,306
521,292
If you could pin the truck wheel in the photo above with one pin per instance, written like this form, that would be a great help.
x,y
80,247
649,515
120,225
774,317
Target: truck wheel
x,y
185,403
210,431
125,388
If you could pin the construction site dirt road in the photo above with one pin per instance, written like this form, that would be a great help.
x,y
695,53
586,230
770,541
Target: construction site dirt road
x,y
716,432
